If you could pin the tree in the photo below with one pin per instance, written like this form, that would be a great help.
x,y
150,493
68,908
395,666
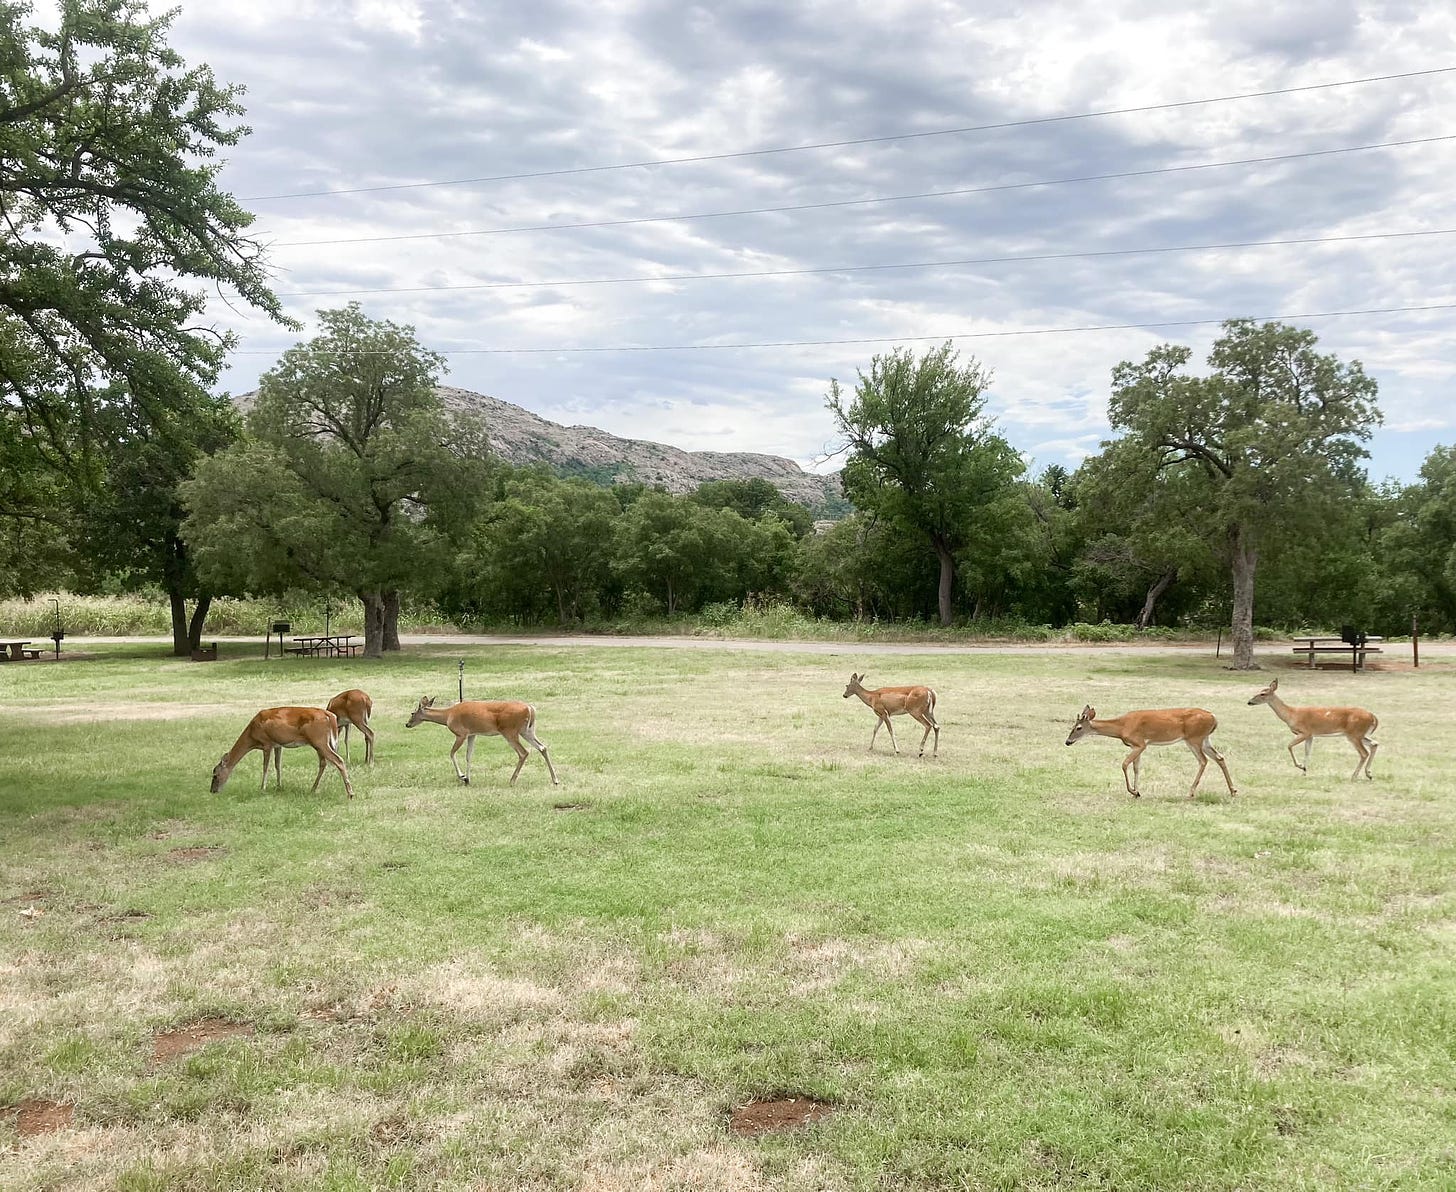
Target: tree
x,y
1271,439
922,454
108,139
355,480
1420,546
754,499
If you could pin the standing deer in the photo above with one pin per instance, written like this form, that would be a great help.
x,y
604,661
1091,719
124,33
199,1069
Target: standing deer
x,y
885,702
275,729
1354,724
1166,726
468,719
353,707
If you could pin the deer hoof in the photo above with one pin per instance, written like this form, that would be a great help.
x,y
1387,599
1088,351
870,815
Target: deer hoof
x,y
464,780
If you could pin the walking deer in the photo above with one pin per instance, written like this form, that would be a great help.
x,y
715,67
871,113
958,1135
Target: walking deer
x,y
468,719
1354,724
275,729
354,707
884,702
1166,726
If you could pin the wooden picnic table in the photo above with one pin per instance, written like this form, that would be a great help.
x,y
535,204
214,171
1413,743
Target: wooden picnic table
x,y
330,644
16,651
1315,646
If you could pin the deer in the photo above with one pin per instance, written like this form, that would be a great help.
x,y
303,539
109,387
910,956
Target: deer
x,y
275,729
884,702
1165,726
353,707
1354,724
468,719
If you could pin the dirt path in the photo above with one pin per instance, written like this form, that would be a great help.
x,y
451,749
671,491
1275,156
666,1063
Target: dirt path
x,y
1398,652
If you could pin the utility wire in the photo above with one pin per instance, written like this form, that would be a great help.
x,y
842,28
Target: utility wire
x,y
819,269
934,194
907,136
822,343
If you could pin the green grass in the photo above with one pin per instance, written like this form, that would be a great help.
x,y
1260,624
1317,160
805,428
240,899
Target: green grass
x,y
1002,971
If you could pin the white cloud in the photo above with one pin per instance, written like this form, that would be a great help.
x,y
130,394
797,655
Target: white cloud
x,y
346,93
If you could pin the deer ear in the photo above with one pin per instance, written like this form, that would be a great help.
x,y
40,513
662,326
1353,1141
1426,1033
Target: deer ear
x,y
1089,712
1273,684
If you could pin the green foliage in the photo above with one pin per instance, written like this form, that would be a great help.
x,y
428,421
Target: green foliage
x,y
923,456
354,479
754,500
1264,448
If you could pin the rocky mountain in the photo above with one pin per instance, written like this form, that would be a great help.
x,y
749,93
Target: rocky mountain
x,y
521,437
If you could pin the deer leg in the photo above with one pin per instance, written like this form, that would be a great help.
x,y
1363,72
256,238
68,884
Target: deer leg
x,y
541,749
1132,760
368,743
890,728
267,752
465,778
469,753
323,764
876,733
521,756
1307,741
1218,757
346,739
1365,755
928,726
329,756
1197,747
1370,757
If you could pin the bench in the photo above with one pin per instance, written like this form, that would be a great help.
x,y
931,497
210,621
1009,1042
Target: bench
x,y
29,654
1355,646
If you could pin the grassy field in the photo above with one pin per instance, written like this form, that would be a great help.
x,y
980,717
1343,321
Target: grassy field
x,y
996,968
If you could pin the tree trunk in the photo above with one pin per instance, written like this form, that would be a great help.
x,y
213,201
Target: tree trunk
x,y
390,627
947,580
199,619
180,637
373,624
1145,618
1245,560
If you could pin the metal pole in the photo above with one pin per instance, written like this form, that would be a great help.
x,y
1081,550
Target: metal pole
x,y
462,678
1218,648
1415,642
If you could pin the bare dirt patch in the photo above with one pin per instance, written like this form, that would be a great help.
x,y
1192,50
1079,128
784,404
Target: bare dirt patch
x,y
570,806
174,1044
32,896
781,1113
35,1115
189,856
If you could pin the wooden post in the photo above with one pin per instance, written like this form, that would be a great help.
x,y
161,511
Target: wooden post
x,y
1415,642
1218,646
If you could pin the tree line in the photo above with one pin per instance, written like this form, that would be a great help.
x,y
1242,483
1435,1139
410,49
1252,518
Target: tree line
x,y
1229,491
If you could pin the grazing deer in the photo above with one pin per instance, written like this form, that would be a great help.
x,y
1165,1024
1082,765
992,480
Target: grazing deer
x,y
885,702
275,729
1354,724
468,719
1166,726
354,707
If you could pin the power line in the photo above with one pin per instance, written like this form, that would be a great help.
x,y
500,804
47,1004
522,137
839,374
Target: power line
x,y
821,269
934,194
824,343
907,136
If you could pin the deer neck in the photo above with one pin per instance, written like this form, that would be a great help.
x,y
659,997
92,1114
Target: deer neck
x,y
1280,709
436,715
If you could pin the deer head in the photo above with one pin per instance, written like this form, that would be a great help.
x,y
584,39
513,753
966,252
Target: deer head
x,y
1267,694
220,774
1083,725
418,715
855,685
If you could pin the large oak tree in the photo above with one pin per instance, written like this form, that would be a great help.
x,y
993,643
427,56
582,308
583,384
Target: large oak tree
x,y
1270,439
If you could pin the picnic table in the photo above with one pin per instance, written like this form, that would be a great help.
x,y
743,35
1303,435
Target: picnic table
x,y
1315,646
333,645
16,651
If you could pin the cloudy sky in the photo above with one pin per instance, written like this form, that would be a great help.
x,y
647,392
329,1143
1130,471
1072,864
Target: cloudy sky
x,y
499,175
